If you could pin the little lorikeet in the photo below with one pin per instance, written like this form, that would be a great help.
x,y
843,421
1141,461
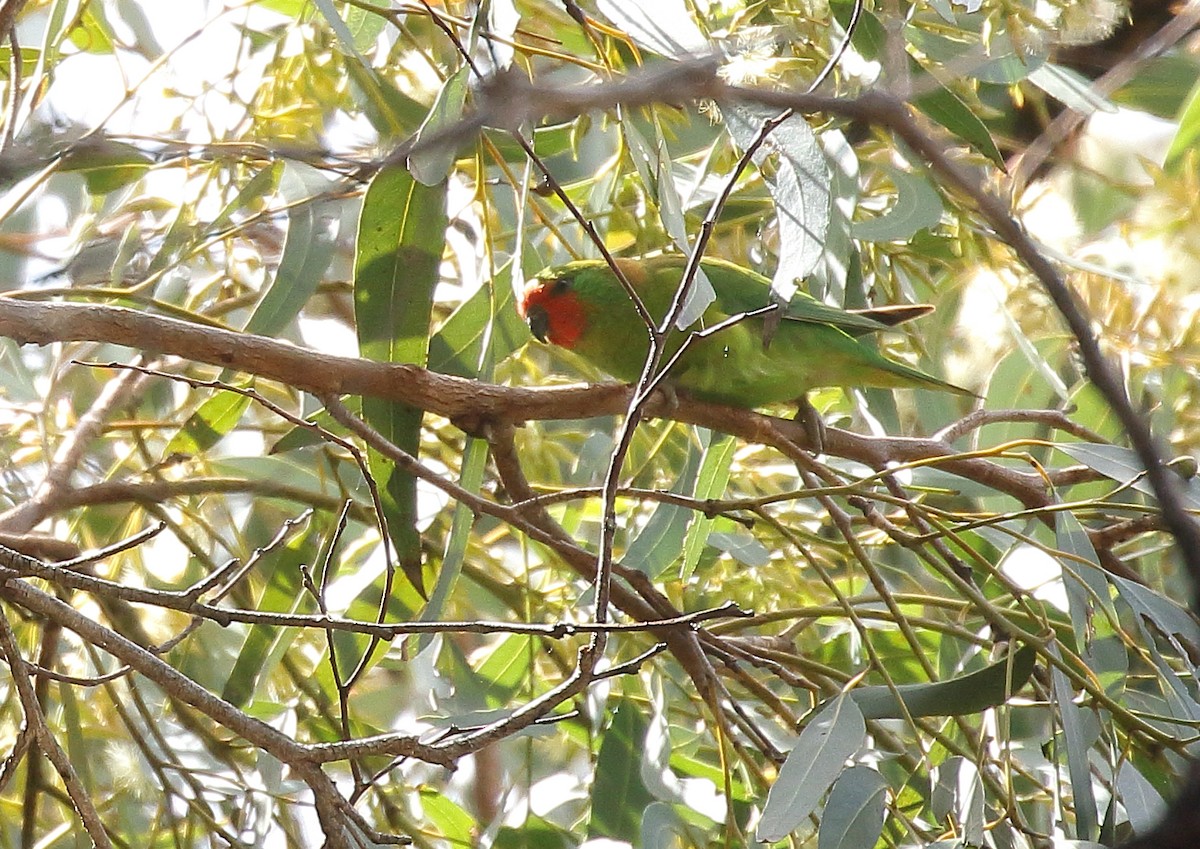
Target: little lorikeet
x,y
583,307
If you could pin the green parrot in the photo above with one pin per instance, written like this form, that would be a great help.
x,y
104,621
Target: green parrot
x,y
583,307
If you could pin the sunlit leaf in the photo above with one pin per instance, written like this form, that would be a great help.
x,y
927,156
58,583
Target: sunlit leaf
x,y
401,233
800,187
666,27
1188,135
1070,88
208,425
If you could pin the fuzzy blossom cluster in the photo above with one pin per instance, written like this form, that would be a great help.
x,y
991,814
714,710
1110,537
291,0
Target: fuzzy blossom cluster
x,y
1126,234
1081,21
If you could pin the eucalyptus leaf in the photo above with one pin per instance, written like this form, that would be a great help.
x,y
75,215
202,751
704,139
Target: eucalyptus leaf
x,y
800,188
665,27
814,764
853,816
918,206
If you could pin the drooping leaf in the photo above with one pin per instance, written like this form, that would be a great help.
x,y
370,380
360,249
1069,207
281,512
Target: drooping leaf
x,y
958,794
918,206
1085,583
853,816
945,107
307,252
800,188
1143,804
710,483
658,544
1187,137
401,233
811,768
1076,742
430,164
470,479
665,27
619,796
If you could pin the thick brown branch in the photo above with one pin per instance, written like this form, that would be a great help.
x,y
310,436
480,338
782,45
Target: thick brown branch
x,y
466,402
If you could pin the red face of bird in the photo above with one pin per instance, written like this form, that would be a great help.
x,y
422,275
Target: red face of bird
x,y
553,310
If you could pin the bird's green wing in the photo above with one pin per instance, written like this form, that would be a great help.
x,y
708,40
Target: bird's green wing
x,y
742,290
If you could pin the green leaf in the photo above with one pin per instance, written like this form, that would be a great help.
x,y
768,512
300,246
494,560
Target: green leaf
x,y
456,825
816,761
1171,619
401,235
474,462
1143,804
742,547
506,666
246,673
1123,465
853,816
1187,136
918,207
972,693
1070,88
490,315
93,33
1077,740
301,437
1084,582
945,107
710,483
533,833
307,252
364,26
800,187
431,164
657,545
256,188
958,795
619,796
208,425
391,112
106,165
1161,87
548,141
869,38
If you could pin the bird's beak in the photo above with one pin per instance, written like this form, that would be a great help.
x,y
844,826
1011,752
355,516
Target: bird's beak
x,y
539,322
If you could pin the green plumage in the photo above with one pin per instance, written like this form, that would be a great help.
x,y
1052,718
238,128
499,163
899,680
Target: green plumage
x,y
814,345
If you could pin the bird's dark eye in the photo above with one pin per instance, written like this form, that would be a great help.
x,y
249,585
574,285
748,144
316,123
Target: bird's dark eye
x,y
561,286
